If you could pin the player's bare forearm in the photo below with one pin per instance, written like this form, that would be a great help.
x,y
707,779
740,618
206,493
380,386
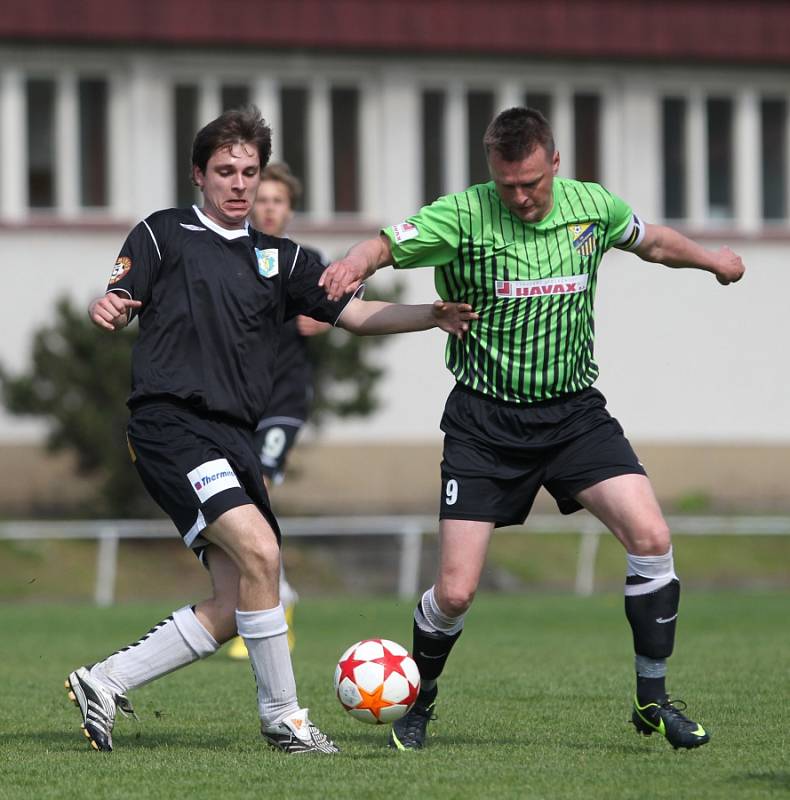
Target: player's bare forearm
x,y
361,261
372,318
664,245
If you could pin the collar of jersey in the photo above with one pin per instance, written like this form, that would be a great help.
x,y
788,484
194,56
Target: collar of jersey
x,y
236,233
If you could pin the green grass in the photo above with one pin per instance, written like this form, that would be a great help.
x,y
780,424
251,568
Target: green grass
x,y
534,704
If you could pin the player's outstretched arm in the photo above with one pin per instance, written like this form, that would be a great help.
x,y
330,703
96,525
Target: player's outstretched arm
x,y
111,311
361,261
664,245
369,318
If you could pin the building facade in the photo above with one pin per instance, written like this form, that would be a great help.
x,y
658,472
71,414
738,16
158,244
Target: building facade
x,y
681,109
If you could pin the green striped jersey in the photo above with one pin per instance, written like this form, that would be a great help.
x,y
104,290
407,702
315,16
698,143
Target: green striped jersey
x,y
533,285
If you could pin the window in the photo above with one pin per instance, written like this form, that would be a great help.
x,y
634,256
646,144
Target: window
x,y
345,149
773,119
479,112
234,96
93,142
41,143
293,121
186,104
674,157
433,106
586,136
719,136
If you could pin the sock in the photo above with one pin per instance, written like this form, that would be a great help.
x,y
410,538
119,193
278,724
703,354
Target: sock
x,y
650,679
652,596
173,643
266,635
434,635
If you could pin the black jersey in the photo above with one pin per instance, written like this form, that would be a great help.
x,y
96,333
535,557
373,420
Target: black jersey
x,y
213,306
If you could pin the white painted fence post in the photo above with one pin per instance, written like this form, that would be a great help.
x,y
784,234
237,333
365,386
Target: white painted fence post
x,y
410,555
106,567
588,548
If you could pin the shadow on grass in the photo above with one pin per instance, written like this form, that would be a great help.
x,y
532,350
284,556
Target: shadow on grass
x,y
773,779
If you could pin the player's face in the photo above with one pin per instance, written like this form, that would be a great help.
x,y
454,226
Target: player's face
x,y
229,184
526,186
272,210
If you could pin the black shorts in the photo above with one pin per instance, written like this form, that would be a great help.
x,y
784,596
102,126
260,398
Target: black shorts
x,y
274,438
497,455
195,467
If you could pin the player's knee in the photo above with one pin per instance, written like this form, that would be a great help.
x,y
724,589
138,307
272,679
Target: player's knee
x,y
260,559
455,600
650,539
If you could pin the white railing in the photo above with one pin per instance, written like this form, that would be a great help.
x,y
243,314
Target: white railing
x,y
410,529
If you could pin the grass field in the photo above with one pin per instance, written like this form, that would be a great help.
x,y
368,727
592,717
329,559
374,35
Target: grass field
x,y
534,704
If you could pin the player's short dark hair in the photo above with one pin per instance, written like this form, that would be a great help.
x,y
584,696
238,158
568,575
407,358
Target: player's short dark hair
x,y
516,132
281,172
229,128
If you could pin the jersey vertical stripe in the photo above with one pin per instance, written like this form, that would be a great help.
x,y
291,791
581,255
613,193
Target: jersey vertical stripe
x,y
533,285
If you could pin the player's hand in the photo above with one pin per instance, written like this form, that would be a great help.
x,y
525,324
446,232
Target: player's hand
x,y
730,267
307,326
111,311
453,317
342,277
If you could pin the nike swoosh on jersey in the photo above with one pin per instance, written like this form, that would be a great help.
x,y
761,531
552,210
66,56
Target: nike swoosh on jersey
x,y
191,227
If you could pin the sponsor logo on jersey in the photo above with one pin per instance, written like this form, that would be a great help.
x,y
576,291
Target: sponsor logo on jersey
x,y
571,284
583,235
122,266
191,227
268,262
212,477
405,231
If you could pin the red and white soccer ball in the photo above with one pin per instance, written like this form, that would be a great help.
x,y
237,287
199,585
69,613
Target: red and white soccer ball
x,y
376,681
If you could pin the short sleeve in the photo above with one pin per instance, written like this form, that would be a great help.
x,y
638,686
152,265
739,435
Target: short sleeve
x,y
623,225
137,264
428,238
303,295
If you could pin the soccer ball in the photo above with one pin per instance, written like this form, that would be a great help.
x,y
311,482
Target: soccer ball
x,y
376,681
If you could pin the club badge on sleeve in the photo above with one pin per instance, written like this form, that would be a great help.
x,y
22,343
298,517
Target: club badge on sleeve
x,y
122,266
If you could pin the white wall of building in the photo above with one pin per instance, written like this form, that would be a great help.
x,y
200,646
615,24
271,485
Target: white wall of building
x,y
682,358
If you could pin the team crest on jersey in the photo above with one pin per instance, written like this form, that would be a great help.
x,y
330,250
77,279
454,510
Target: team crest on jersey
x,y
268,262
122,266
583,235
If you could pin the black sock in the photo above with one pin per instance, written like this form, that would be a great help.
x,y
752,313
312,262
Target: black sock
x,y
430,651
650,690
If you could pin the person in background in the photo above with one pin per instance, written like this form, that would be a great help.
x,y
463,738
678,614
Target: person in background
x,y
292,392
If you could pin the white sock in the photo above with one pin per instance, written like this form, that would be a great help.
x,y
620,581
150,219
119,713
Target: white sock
x,y
658,570
173,643
266,635
433,619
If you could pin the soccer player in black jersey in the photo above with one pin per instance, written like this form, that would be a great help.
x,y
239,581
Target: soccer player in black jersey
x,y
525,248
212,295
277,429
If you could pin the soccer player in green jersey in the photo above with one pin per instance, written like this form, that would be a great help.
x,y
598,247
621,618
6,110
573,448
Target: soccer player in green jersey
x,y
523,250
